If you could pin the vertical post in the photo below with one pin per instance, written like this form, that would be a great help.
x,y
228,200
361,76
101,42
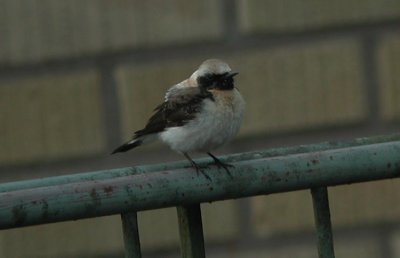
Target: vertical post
x,y
323,222
191,231
131,235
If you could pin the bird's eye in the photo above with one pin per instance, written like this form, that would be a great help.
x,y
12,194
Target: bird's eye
x,y
224,83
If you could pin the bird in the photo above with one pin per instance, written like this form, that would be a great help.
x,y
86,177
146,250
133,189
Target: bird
x,y
198,114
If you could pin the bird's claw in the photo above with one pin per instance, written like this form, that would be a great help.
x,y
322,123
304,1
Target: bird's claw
x,y
225,166
221,164
199,170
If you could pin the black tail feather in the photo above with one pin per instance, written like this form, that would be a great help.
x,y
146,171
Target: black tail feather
x,y
127,146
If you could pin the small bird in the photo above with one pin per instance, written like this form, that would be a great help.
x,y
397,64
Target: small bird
x,y
198,114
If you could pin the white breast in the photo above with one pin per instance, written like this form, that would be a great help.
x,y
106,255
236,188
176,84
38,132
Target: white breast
x,y
218,122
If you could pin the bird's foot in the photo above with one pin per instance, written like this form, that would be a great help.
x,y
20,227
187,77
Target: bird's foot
x,y
221,164
225,166
199,170
197,167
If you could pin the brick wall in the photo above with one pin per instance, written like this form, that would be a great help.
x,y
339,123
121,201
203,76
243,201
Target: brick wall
x,y
78,77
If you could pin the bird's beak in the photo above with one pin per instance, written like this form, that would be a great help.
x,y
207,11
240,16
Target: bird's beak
x,y
231,74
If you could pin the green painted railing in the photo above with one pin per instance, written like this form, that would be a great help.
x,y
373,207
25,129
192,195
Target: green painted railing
x,y
128,190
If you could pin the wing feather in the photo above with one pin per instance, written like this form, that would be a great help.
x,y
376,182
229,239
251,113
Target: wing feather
x,y
181,105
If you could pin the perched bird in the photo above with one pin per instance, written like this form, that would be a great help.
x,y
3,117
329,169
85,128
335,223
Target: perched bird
x,y
198,114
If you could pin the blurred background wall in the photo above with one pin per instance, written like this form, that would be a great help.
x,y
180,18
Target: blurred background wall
x,y
78,77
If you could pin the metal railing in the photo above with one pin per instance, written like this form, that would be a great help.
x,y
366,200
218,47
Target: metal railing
x,y
128,190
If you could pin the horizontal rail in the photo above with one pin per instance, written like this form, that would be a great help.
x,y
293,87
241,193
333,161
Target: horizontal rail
x,y
175,187
120,172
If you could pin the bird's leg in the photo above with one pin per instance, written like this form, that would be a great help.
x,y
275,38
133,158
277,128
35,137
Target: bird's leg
x,y
221,164
198,169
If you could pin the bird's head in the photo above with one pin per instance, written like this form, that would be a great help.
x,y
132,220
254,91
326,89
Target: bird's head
x,y
214,74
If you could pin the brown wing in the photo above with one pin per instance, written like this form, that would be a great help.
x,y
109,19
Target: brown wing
x,y
181,106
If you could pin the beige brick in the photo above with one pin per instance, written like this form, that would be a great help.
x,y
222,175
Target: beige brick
x,y
41,30
220,220
389,83
365,248
286,89
282,213
352,205
50,117
301,87
159,228
282,251
395,243
292,15
366,203
83,238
